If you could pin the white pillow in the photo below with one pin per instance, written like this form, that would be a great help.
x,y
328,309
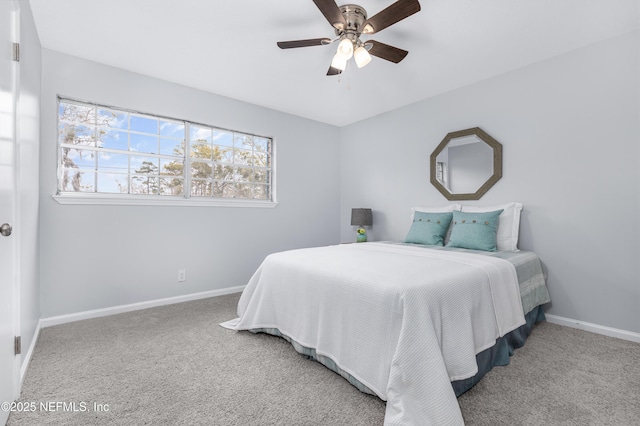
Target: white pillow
x,y
443,209
508,225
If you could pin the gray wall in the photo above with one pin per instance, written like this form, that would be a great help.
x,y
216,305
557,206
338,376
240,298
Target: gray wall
x,y
28,171
101,256
570,130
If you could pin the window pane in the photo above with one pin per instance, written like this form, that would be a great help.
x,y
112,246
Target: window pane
x,y
113,119
78,158
244,174
199,150
76,134
139,123
171,147
260,175
218,188
144,184
228,191
260,144
144,143
108,162
260,192
260,159
243,190
242,156
223,138
200,134
201,169
221,172
171,167
66,133
243,141
172,129
114,183
145,165
75,180
76,114
223,154
171,186
113,139
201,188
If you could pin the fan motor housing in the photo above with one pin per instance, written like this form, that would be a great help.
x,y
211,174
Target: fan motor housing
x,y
355,16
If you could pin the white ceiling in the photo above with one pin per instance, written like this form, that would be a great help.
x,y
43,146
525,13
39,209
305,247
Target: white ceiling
x,y
229,47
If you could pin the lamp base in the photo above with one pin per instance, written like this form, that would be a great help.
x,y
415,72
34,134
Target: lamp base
x,y
361,235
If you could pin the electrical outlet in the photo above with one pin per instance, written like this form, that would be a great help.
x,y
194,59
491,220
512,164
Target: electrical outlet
x,y
182,275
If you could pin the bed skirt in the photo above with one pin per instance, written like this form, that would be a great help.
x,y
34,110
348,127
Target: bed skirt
x,y
498,354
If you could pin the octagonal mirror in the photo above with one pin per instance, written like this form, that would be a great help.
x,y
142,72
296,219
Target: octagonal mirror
x,y
466,164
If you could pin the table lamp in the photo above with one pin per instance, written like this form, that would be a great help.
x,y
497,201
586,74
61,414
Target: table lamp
x,y
361,218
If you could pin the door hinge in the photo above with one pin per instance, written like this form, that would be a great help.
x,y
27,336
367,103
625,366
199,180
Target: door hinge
x,y
16,52
17,343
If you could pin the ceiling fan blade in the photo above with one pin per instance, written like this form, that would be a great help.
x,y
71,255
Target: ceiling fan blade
x,y
303,43
385,51
333,71
332,12
389,16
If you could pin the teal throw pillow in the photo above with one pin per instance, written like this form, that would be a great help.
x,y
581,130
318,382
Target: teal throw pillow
x,y
477,231
429,228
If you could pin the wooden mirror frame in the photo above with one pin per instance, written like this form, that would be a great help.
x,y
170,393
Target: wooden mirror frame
x,y
497,164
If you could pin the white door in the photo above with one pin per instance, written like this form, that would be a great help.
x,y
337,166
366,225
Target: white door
x,y
8,245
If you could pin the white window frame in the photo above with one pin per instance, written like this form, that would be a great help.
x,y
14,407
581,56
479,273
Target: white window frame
x,y
101,198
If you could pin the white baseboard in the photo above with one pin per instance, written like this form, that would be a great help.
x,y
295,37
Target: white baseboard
x,y
594,328
27,357
96,313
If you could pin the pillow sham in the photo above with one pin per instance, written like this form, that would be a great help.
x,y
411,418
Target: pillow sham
x,y
475,231
508,226
429,228
442,209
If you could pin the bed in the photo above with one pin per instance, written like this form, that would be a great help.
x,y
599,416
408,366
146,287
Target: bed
x,y
414,324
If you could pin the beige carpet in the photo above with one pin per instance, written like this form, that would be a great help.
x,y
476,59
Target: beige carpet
x,y
174,365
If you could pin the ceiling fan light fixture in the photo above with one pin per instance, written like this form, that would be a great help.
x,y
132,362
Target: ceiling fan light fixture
x,y
361,56
339,62
349,22
345,49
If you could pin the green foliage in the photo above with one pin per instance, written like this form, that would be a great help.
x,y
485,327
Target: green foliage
x,y
147,184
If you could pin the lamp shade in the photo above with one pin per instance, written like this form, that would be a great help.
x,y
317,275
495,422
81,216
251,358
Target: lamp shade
x,y
345,49
361,56
339,62
361,217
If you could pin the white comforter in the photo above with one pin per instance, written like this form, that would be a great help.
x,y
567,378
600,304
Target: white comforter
x,y
403,320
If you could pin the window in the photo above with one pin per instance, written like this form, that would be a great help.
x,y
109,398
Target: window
x,y
104,151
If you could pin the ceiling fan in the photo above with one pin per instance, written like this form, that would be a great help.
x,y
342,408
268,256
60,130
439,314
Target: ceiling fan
x,y
350,22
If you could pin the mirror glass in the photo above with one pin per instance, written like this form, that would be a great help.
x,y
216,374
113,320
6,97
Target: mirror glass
x,y
466,164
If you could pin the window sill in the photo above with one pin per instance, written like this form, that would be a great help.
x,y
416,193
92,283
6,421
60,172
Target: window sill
x,y
127,200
